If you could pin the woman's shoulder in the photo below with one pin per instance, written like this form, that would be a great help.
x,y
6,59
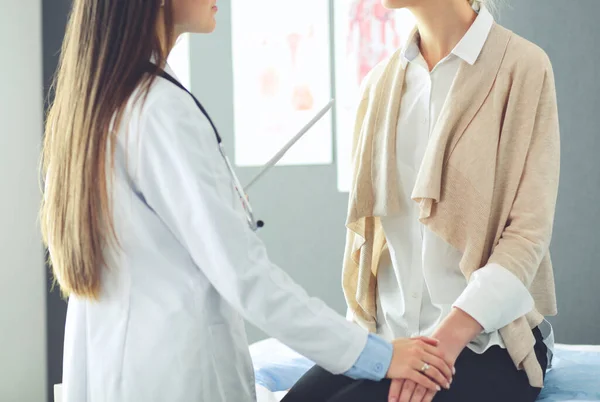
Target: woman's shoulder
x,y
373,76
163,114
162,95
525,56
163,103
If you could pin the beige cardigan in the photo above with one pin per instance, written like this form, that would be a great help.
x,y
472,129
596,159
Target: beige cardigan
x,y
487,185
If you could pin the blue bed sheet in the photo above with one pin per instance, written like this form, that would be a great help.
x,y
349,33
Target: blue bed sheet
x,y
575,375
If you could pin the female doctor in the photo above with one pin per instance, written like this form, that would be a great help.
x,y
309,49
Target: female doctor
x,y
151,239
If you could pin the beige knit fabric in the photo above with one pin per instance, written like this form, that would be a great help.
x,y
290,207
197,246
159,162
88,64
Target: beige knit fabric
x,y
487,185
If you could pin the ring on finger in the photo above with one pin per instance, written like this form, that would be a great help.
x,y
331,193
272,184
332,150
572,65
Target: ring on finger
x,y
425,368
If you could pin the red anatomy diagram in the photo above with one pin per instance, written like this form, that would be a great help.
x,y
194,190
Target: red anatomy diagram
x,y
372,35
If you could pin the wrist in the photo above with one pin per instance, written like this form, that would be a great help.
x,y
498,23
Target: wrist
x,y
456,331
451,344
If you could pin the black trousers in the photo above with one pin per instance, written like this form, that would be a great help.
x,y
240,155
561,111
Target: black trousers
x,y
489,377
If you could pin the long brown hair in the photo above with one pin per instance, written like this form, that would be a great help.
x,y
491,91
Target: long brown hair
x,y
104,58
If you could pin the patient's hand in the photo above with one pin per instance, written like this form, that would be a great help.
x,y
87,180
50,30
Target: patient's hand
x,y
411,356
453,334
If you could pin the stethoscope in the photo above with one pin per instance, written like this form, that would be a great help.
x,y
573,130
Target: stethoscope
x,y
252,222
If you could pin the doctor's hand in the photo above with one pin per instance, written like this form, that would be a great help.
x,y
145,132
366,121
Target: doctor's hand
x,y
421,361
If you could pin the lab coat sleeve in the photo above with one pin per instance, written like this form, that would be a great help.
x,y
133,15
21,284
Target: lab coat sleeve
x,y
183,178
374,362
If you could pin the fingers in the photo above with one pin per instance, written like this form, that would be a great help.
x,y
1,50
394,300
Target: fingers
x,y
423,380
439,364
440,354
433,373
429,396
429,341
395,389
418,394
407,391
432,350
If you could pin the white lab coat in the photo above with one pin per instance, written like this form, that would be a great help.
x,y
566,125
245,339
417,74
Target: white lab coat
x,y
169,325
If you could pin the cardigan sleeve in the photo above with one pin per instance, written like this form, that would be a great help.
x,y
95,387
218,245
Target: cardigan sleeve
x,y
526,237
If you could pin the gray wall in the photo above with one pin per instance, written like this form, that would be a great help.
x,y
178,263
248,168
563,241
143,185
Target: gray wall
x,y
305,214
22,295
569,32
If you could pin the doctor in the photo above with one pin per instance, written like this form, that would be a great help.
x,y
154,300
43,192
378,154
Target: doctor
x,y
149,239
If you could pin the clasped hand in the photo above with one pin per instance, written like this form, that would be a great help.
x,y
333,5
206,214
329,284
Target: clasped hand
x,y
420,364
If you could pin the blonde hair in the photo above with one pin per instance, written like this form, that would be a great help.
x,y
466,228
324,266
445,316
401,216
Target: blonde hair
x,y
102,62
491,5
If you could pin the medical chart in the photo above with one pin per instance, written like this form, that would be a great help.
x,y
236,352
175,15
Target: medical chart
x,y
281,79
365,34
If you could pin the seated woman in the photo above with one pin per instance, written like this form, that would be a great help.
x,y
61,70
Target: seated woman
x,y
456,165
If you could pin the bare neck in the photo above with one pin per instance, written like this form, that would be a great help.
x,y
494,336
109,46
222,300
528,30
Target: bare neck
x,y
441,24
161,30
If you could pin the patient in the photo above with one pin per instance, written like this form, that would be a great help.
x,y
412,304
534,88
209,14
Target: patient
x,y
456,165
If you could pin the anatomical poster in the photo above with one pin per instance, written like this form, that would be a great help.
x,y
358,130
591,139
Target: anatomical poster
x,y
365,34
281,79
